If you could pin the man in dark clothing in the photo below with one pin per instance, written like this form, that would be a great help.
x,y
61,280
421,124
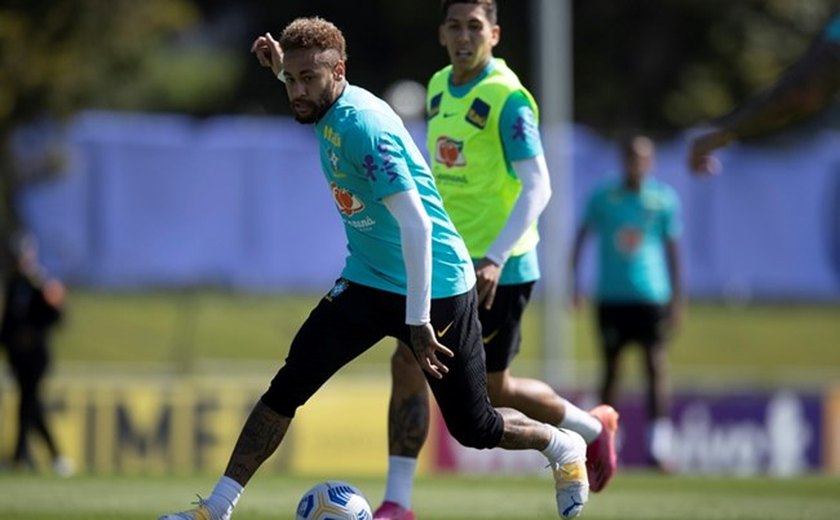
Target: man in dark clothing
x,y
33,306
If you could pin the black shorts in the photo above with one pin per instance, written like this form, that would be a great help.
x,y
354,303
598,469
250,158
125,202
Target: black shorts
x,y
351,318
502,325
623,323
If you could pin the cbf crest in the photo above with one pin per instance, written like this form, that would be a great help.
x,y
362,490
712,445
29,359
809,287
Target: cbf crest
x,y
335,162
450,152
348,204
340,286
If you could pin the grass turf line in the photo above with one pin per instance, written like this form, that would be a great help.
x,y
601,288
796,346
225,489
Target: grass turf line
x,y
631,496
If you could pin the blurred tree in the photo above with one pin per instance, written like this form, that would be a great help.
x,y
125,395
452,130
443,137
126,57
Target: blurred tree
x,y
664,65
659,65
386,40
58,56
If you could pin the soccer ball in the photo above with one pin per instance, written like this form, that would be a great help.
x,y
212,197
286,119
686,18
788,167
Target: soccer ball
x,y
333,500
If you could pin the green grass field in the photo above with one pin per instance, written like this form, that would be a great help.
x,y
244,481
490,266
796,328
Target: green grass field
x,y
203,331
634,496
764,345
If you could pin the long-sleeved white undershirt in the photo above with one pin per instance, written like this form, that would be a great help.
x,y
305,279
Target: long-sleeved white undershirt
x,y
416,238
534,197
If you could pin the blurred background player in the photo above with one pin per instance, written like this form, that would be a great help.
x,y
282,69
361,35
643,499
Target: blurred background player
x,y
487,159
808,86
407,275
33,306
639,291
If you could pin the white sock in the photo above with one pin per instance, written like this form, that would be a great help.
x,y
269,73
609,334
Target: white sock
x,y
400,484
224,496
661,435
561,446
586,424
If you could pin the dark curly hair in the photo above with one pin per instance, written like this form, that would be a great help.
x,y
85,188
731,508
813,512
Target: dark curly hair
x,y
314,33
489,7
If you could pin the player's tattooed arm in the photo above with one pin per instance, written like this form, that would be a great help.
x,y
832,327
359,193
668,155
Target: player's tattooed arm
x,y
807,87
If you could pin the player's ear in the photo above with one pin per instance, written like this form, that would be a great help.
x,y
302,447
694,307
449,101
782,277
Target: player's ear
x,y
495,34
339,70
441,39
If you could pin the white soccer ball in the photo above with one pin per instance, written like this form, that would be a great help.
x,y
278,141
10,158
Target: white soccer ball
x,y
333,500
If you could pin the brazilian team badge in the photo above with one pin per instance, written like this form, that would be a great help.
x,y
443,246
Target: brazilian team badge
x,y
340,286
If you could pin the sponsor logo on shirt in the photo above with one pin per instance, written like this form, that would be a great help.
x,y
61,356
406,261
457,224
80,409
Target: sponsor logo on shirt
x,y
478,112
449,152
332,136
347,203
628,239
364,224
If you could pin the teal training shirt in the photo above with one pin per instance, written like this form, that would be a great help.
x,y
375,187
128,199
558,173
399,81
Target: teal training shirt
x,y
519,130
367,154
632,231
521,140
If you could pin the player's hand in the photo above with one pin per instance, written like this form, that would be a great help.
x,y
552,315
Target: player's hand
x,y
700,159
268,52
487,274
426,348
54,292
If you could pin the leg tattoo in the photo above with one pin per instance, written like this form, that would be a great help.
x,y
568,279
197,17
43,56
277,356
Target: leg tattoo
x,y
408,425
522,432
260,437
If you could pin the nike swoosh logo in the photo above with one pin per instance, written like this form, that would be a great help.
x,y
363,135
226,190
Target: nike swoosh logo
x,y
450,114
488,338
443,331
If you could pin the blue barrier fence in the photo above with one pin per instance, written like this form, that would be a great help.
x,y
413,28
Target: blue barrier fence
x,y
240,202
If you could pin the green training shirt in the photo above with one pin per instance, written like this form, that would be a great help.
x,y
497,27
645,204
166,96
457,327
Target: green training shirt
x,y
478,186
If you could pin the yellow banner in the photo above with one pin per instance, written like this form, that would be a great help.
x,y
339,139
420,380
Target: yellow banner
x,y
138,426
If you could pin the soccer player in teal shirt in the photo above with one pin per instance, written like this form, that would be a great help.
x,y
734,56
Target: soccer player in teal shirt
x,y
807,87
407,275
639,290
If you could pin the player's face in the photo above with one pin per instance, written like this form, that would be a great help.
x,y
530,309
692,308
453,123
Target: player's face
x,y
313,82
469,38
638,162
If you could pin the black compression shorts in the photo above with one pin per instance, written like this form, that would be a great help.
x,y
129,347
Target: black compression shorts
x,y
502,325
351,318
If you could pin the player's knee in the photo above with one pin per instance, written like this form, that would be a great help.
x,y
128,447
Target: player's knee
x,y
279,402
288,391
481,434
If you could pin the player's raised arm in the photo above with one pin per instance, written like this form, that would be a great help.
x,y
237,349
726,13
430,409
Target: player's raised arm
x,y
807,87
269,53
